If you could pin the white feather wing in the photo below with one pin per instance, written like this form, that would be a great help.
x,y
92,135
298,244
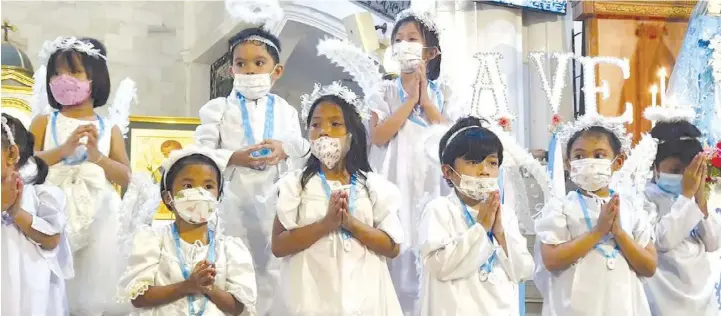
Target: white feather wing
x,y
119,111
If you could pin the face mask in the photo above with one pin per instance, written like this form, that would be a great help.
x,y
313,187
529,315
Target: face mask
x,y
195,205
591,174
670,182
330,150
252,87
476,188
409,55
68,90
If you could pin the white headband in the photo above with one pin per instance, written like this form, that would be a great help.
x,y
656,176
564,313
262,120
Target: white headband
x,y
67,43
338,90
8,131
176,155
256,38
453,136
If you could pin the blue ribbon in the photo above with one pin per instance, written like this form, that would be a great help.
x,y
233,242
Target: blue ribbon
x,y
54,131
186,272
584,208
267,128
433,87
551,155
351,198
488,266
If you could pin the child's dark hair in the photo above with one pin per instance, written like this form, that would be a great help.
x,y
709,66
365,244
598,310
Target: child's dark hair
x,y
243,36
166,184
595,131
357,158
433,70
26,143
475,143
95,67
676,140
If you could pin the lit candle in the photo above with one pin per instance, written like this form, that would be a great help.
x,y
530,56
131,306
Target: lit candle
x,y
654,91
662,74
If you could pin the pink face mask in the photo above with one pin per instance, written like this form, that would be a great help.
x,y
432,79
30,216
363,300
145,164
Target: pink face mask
x,y
68,90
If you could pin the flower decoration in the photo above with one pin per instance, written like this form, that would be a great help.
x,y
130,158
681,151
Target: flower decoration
x,y
714,164
556,121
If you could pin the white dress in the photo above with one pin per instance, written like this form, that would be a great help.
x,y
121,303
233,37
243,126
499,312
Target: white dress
x,y
33,279
588,287
453,254
418,182
93,225
244,213
332,277
681,285
154,262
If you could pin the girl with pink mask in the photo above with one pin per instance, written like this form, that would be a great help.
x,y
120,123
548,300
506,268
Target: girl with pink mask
x,y
87,157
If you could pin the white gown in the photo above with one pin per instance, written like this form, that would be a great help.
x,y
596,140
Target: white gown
x,y
588,287
92,210
33,279
418,182
154,262
330,278
681,284
244,213
452,255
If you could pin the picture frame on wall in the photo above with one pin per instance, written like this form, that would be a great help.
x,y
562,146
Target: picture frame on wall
x,y
151,139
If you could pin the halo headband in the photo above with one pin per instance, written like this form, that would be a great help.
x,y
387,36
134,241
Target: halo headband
x,y
256,38
65,44
176,155
8,131
453,136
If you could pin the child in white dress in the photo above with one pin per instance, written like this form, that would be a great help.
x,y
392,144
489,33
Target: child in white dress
x,y
254,132
336,224
686,227
596,244
188,268
472,249
35,253
87,155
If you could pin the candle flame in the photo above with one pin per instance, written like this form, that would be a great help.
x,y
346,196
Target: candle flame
x,y
654,89
662,72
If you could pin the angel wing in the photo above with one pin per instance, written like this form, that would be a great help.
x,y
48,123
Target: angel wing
x,y
39,102
119,111
355,62
139,204
636,170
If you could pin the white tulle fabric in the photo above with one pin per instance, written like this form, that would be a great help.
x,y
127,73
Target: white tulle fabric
x,y
244,214
682,284
154,262
588,287
328,279
452,254
34,279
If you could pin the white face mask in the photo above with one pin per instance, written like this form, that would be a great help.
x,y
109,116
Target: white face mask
x,y
477,188
252,87
330,150
591,174
409,55
195,205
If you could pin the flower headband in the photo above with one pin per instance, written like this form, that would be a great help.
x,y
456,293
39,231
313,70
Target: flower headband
x,y
587,121
67,43
335,89
8,131
422,16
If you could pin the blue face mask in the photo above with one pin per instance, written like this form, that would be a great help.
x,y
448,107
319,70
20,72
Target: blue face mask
x,y
670,182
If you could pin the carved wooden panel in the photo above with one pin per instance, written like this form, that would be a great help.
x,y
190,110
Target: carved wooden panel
x,y
664,10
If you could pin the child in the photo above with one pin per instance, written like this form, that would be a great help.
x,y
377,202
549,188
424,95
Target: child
x,y
412,102
596,244
687,229
472,249
35,252
187,268
87,155
336,222
254,131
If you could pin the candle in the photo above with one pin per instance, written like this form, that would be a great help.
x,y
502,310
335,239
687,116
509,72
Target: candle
x,y
662,74
654,91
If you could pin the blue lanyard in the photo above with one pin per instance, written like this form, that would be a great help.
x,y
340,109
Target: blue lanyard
x,y
551,157
54,131
584,208
186,273
433,87
351,198
488,266
267,128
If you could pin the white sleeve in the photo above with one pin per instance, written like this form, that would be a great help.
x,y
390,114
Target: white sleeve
x,y
207,134
294,145
241,275
552,227
673,227
643,232
381,107
143,265
49,218
386,199
710,231
288,200
518,262
449,256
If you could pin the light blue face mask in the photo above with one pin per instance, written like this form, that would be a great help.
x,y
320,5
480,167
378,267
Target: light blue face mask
x,y
670,182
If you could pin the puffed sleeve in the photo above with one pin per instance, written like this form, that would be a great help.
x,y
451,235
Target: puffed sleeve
x,y
386,199
288,199
675,225
447,255
642,229
207,134
552,226
49,217
241,275
710,230
142,265
381,107
518,262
